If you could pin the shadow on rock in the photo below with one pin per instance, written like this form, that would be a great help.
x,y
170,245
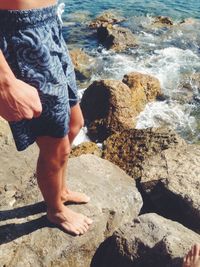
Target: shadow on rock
x,y
12,231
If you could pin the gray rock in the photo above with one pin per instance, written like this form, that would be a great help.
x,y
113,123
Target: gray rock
x,y
171,179
27,239
150,240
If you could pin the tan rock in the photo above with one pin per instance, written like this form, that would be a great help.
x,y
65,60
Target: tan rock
x,y
130,149
144,88
5,133
116,38
171,180
27,239
163,21
83,64
85,148
106,107
105,19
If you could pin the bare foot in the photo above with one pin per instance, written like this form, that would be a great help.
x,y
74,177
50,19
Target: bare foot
x,y
75,197
70,221
192,259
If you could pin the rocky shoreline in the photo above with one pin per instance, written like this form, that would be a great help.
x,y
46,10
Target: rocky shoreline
x,y
144,184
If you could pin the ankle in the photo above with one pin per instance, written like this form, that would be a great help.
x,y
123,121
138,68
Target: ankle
x,y
55,209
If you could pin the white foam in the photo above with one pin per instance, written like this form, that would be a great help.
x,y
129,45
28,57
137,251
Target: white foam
x,y
81,137
174,115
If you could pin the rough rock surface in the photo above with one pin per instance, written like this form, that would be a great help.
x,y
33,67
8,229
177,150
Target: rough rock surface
x,y
105,19
85,148
171,180
144,88
27,239
106,107
130,149
163,21
116,38
83,64
149,241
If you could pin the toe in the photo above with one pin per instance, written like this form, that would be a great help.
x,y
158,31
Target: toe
x,y
88,220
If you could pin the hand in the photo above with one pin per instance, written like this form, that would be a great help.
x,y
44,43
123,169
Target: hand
x,y
19,100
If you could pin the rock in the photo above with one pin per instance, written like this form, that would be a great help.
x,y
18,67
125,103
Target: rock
x,y
106,107
27,239
85,148
150,240
116,38
171,181
163,21
130,149
188,21
17,169
83,64
105,19
144,88
5,133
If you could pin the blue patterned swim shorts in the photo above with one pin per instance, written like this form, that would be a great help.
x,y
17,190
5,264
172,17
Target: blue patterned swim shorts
x,y
33,45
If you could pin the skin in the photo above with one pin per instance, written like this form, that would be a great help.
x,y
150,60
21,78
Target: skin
x,y
19,100
192,259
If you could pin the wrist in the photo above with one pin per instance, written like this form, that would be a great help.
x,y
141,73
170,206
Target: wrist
x,y
6,80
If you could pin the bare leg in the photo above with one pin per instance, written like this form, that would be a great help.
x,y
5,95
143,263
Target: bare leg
x,y
192,259
76,123
53,155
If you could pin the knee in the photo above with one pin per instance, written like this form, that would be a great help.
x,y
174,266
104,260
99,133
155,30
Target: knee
x,y
55,158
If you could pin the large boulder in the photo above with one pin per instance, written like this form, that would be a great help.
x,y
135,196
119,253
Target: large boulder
x,y
130,149
150,240
27,239
106,107
171,181
116,38
144,88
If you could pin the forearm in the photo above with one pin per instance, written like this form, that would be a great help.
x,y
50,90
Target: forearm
x,y
6,74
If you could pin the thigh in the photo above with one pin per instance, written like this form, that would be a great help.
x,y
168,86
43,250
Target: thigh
x,y
76,117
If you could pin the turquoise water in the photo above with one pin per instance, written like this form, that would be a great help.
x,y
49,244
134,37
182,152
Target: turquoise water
x,y
172,54
178,9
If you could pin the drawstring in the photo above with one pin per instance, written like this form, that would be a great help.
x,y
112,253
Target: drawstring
x,y
60,10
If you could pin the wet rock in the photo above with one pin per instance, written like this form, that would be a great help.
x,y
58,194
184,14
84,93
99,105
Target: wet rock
x,y
163,21
83,64
27,239
116,38
150,240
105,19
188,21
131,149
171,181
144,88
85,148
106,107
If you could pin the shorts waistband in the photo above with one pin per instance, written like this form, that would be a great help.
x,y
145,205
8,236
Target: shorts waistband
x,y
11,20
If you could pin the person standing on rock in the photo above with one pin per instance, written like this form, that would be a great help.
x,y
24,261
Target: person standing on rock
x,y
38,97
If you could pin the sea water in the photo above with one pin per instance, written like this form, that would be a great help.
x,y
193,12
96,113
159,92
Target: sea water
x,y
172,54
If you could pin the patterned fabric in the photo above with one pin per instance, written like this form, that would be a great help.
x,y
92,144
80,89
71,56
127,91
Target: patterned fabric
x,y
33,45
